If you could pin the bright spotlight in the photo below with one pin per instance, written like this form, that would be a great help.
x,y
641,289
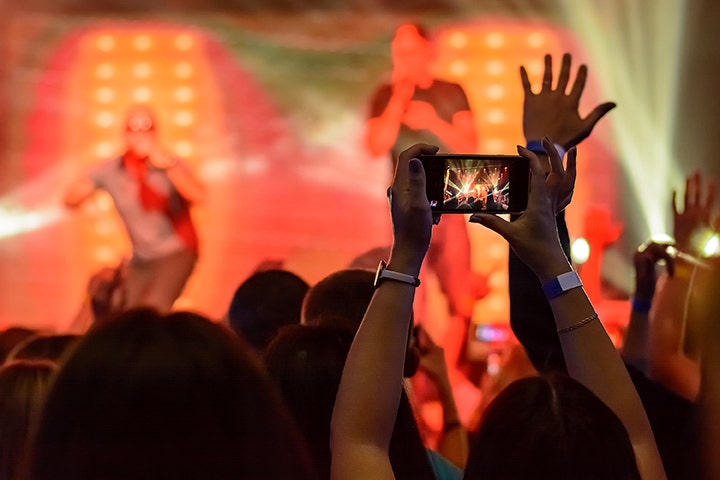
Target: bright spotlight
x,y
712,247
580,251
142,42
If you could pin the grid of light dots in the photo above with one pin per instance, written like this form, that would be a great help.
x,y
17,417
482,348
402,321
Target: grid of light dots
x,y
485,62
141,68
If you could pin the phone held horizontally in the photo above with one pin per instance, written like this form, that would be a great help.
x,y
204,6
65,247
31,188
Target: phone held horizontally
x,y
468,183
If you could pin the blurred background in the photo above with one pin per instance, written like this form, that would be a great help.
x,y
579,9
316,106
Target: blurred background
x,y
268,101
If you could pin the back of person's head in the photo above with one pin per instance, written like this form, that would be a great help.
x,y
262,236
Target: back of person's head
x,y
340,299
48,347
148,396
23,387
10,338
306,362
550,427
264,303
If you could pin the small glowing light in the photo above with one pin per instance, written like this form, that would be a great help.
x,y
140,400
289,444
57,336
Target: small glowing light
x,y
142,42
580,251
105,71
458,68
495,40
494,145
104,149
105,119
183,70
536,67
536,40
105,95
184,118
103,201
142,70
105,43
495,67
105,254
495,116
458,40
184,94
495,92
711,247
184,42
142,94
662,238
184,149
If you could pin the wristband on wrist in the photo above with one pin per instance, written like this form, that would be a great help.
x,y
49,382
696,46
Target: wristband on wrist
x,y
561,284
640,305
384,274
536,146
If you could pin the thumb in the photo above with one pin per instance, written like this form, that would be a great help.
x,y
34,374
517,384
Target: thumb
x,y
599,112
493,222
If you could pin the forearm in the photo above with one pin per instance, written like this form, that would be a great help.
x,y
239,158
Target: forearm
x,y
458,137
635,342
454,443
369,391
382,131
592,359
668,363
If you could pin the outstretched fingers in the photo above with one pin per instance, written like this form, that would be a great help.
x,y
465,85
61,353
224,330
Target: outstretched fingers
x,y
579,85
564,76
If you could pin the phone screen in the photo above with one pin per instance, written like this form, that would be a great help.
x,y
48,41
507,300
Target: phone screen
x,y
477,183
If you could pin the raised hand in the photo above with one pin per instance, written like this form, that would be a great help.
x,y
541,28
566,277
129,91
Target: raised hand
x,y
697,209
533,236
552,112
412,218
645,275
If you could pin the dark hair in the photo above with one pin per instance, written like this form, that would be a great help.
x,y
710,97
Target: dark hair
x,y
48,347
264,303
304,359
10,338
147,396
550,427
23,388
340,299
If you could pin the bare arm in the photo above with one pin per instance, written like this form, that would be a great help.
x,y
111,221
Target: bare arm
x,y
386,118
589,353
369,392
180,174
453,444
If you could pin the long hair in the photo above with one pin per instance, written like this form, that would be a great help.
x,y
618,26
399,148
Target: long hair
x,y
550,428
306,363
23,387
147,396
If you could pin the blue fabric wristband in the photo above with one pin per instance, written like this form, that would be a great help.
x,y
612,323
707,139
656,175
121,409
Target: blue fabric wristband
x,y
536,146
641,306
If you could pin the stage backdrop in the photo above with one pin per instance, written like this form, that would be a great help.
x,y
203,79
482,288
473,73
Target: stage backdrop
x,y
270,110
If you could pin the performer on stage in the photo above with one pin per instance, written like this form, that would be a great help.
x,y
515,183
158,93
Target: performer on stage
x,y
152,191
414,108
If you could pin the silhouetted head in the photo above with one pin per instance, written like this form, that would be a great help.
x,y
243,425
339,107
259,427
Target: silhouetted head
x,y
264,303
306,363
148,396
340,301
550,427
23,388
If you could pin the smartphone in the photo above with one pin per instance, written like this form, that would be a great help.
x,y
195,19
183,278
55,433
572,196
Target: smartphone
x,y
488,333
466,183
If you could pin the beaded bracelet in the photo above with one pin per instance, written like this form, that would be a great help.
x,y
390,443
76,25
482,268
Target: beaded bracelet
x,y
579,324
